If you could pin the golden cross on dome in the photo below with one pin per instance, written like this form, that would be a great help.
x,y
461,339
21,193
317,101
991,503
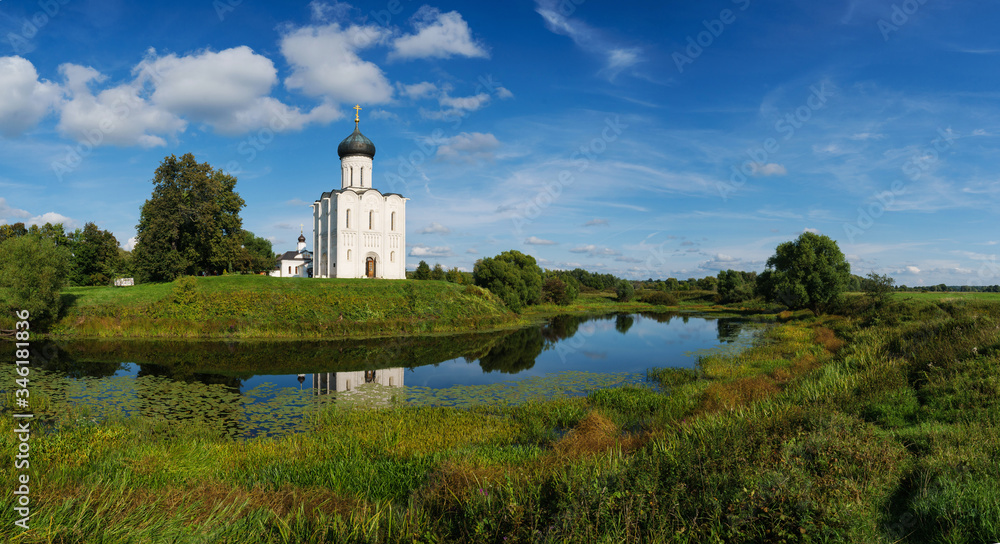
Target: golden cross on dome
x,y
357,109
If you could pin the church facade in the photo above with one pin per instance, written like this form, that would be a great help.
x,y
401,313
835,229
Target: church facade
x,y
359,232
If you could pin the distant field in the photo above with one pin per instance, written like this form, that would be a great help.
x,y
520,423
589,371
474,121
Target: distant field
x,y
948,295
266,307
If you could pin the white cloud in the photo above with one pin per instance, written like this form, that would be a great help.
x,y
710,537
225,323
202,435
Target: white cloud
x,y
469,147
325,63
439,35
53,217
615,57
812,230
424,251
594,251
24,99
472,250
418,90
9,214
228,90
536,241
912,269
322,11
456,106
769,169
117,116
596,223
130,244
434,228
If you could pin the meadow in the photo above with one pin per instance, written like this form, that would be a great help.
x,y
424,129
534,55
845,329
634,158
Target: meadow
x,y
264,307
879,426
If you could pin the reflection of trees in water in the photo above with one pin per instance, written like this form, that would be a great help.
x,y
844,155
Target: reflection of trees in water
x,y
729,329
659,317
48,356
561,327
624,322
515,353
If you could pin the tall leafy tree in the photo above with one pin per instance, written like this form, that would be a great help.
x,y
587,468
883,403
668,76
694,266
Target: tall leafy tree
x,y
423,271
190,224
810,272
95,255
32,271
513,276
736,286
257,254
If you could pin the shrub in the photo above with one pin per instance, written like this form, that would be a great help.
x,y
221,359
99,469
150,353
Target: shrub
x,y
659,298
512,276
624,290
32,271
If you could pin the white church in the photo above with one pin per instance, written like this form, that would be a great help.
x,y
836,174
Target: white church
x,y
358,232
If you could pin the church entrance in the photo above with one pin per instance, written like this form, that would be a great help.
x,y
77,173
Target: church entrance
x,y
370,267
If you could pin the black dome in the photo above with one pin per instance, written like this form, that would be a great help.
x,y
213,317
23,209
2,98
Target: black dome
x,y
356,144
302,237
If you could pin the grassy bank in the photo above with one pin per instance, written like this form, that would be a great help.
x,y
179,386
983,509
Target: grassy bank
x,y
871,429
265,307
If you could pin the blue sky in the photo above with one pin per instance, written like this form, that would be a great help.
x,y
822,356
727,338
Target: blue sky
x,y
642,139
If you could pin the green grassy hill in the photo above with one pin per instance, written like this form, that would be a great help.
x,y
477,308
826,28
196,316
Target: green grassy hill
x,y
265,307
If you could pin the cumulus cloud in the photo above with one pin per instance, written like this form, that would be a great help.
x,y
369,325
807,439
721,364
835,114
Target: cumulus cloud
x,y
912,269
421,250
596,223
439,35
456,106
325,63
53,217
536,241
117,116
812,230
434,228
227,89
24,99
472,250
469,147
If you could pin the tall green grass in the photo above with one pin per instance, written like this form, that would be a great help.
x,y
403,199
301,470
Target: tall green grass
x,y
830,429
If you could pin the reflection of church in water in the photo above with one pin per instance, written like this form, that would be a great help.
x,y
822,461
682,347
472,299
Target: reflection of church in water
x,y
332,382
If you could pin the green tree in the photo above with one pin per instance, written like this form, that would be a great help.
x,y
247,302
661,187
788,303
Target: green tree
x,y
455,276
708,283
512,276
12,231
625,290
32,271
423,271
810,272
878,290
736,286
257,254
438,272
95,255
191,223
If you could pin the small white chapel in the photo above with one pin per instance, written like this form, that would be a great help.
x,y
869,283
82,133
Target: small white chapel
x,y
359,232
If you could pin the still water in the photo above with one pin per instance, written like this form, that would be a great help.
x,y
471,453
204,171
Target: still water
x,y
251,388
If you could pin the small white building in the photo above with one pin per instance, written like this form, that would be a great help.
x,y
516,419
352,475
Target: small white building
x,y
359,232
295,264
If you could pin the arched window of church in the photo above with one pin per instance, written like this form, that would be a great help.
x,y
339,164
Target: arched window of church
x,y
371,219
392,221
348,218
392,257
348,254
